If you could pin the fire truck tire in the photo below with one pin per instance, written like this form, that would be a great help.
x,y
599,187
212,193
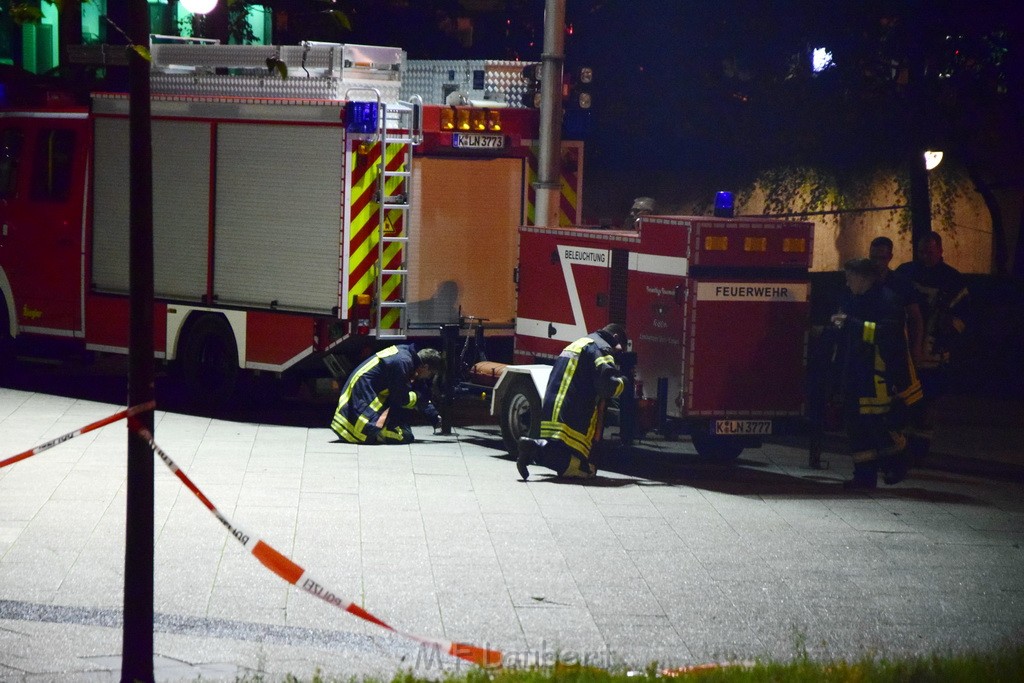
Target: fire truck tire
x,y
208,361
717,448
6,341
520,413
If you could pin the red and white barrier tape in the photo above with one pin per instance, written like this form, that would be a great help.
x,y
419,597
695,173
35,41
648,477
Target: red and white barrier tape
x,y
130,412
299,577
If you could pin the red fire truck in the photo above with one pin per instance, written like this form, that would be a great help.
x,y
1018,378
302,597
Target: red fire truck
x,y
295,213
717,309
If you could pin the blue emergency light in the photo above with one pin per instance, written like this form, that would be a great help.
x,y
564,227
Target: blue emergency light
x,y
360,117
724,205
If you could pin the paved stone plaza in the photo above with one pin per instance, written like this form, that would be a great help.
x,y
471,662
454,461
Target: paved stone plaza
x,y
662,557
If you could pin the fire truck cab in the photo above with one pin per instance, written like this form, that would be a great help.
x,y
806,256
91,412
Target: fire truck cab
x,y
717,310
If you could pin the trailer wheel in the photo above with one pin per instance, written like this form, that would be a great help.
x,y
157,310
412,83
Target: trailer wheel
x,y
208,360
717,448
520,412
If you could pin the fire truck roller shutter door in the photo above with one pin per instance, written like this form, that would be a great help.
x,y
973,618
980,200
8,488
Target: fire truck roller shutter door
x,y
181,223
280,221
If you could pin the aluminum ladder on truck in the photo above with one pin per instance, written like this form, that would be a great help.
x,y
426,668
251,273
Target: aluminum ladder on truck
x,y
398,124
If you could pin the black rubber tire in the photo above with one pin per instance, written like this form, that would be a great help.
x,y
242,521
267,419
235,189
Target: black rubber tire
x,y
520,412
7,355
208,362
717,448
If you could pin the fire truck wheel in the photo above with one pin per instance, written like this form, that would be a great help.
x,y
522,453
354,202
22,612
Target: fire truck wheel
x,y
6,342
208,361
520,413
717,448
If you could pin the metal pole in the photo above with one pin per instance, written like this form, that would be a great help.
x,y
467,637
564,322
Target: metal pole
x,y
452,374
919,199
548,185
137,631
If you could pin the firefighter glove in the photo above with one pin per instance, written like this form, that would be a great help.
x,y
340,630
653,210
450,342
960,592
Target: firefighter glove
x,y
430,412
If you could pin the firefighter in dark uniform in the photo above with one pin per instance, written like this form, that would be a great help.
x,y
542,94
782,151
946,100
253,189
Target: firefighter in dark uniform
x,y
584,374
944,301
377,397
872,342
904,375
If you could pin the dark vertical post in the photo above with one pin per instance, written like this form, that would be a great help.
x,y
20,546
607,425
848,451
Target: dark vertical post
x,y
627,400
449,340
920,199
137,635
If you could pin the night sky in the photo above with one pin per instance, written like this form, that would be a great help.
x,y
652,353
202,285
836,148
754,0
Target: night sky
x,y
694,96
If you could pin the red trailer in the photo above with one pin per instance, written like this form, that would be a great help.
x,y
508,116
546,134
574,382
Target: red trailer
x,y
717,310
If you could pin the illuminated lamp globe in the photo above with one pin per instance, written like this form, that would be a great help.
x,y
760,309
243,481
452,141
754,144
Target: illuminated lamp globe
x,y
199,6
932,159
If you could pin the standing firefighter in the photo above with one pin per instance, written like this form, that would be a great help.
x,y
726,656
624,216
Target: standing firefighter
x,y
944,303
377,397
584,374
872,348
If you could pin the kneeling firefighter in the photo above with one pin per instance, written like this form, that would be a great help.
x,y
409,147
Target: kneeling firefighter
x,y
584,374
377,397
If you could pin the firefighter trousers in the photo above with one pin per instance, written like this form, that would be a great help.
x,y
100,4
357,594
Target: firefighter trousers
x,y
875,444
565,461
921,425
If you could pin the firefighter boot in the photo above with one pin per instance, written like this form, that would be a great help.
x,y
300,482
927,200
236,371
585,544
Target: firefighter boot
x,y
579,468
529,449
865,477
896,468
895,460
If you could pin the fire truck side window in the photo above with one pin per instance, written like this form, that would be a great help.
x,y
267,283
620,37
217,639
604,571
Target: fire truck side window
x,y
51,171
11,141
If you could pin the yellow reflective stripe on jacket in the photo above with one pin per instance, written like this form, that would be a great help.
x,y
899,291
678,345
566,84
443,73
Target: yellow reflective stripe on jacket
x,y
960,296
340,424
868,334
390,351
912,394
573,351
412,400
880,403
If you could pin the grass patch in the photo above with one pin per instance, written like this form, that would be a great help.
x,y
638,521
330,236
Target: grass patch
x,y
997,667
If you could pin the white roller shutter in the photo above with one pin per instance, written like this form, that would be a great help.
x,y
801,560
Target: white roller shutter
x,y
181,190
110,213
181,208
278,216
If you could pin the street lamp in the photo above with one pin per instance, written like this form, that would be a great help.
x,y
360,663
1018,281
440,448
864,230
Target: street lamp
x,y
932,159
199,6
